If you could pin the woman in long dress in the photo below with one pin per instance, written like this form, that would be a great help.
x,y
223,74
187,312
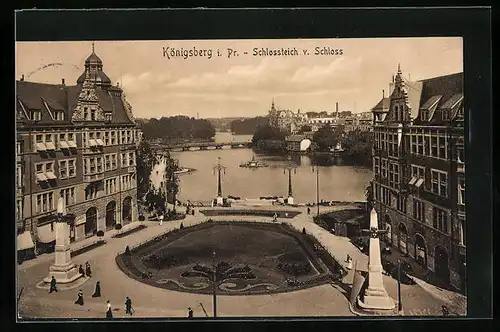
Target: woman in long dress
x,y
80,298
97,292
109,313
88,272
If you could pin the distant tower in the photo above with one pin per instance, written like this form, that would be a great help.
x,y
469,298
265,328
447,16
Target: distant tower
x,y
93,71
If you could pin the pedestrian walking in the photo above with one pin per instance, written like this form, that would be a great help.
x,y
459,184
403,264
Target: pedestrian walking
x,y
308,210
87,270
445,310
53,287
128,306
81,271
80,298
127,251
97,292
109,313
190,312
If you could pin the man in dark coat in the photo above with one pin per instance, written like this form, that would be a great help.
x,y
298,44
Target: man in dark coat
x,y
87,269
128,306
97,292
127,251
81,271
190,313
53,287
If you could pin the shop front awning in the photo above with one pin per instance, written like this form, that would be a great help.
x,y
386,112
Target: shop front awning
x,y
40,177
419,183
63,145
72,144
40,147
25,241
50,175
99,142
45,233
412,181
50,146
92,142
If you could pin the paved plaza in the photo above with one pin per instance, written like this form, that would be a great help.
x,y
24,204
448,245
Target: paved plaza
x,y
149,301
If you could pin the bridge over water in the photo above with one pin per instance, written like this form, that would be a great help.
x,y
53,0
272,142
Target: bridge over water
x,y
196,146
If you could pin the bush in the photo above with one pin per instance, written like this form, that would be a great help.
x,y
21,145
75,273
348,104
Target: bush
x,y
100,233
142,218
303,230
118,227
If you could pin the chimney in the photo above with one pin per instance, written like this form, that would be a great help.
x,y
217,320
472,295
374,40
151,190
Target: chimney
x,y
383,93
63,81
392,78
22,78
337,108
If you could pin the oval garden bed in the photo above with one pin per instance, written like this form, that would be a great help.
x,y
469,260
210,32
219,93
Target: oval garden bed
x,y
260,213
250,258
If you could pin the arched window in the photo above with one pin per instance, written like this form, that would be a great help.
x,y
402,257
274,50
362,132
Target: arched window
x,y
396,111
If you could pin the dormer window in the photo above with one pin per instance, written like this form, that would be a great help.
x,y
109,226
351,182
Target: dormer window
x,y
445,115
424,115
396,111
92,114
36,115
85,113
60,116
460,111
109,117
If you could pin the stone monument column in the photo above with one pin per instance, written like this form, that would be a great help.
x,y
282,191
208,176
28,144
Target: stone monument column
x,y
63,269
375,296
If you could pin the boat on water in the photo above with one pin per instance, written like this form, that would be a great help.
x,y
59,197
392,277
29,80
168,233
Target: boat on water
x,y
253,164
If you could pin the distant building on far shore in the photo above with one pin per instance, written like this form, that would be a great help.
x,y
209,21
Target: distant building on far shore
x,y
298,143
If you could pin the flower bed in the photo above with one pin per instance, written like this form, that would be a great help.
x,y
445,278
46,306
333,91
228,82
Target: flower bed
x,y
130,231
87,248
261,213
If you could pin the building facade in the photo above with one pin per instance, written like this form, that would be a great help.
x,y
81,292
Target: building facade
x,y
298,143
77,142
419,173
286,120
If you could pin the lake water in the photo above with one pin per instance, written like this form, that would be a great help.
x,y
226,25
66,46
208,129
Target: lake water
x,y
336,182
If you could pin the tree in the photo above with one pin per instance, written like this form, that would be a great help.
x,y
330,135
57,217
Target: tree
x,y
248,126
267,132
369,196
327,137
305,129
146,160
178,127
173,184
358,145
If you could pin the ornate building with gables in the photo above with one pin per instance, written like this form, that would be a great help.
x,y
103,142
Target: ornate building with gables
x,y
419,173
77,142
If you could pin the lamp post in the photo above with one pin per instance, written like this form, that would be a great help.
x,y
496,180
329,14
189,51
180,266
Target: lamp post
x,y
317,187
214,285
63,269
219,167
290,167
400,304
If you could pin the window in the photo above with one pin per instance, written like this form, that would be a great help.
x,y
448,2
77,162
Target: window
x,y
445,115
418,209
44,202
113,161
92,114
443,151
393,175
99,165
424,115
109,117
85,166
106,138
19,176
107,162
69,195
460,111
413,144
71,137
72,168
86,113
460,155
386,196
124,160
48,137
440,219
401,204
439,181
19,209
131,159
62,137
427,145
113,137
60,116
36,115
45,167
418,172
384,168
376,165
396,113
91,192
63,169
122,137
461,190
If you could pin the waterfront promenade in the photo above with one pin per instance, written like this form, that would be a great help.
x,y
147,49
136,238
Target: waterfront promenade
x,y
149,301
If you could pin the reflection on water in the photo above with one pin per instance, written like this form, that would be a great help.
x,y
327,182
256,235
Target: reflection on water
x,y
336,182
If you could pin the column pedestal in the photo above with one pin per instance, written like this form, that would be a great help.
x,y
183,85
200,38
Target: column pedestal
x,y
220,201
289,200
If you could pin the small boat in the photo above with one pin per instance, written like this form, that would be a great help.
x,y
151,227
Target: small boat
x,y
253,164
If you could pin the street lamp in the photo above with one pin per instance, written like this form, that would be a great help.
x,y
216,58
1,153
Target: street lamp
x,y
214,285
400,304
290,167
219,167
317,187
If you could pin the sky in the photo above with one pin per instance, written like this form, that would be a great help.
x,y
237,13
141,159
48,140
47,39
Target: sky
x,y
158,84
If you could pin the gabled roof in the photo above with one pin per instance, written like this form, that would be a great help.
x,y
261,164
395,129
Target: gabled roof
x,y
296,138
31,96
382,105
